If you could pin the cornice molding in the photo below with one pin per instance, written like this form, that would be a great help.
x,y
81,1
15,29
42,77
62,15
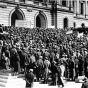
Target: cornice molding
x,y
35,6
27,5
3,5
80,18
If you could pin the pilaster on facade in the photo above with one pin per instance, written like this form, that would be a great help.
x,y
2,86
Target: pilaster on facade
x,y
77,7
67,3
70,5
59,2
84,8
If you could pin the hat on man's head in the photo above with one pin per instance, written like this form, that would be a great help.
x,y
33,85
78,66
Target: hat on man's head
x,y
14,46
38,49
85,49
30,70
54,62
64,55
46,58
40,57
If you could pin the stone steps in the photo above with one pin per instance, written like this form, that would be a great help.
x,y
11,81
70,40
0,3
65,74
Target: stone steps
x,y
8,80
3,77
2,84
3,80
66,84
39,85
7,74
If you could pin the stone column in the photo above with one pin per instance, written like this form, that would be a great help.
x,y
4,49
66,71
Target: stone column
x,y
70,4
86,8
78,7
75,6
58,1
67,3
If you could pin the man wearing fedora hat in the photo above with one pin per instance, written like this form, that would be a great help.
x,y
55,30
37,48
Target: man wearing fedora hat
x,y
29,78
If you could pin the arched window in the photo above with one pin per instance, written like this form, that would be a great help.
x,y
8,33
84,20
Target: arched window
x,y
74,24
65,23
40,21
16,15
82,25
82,8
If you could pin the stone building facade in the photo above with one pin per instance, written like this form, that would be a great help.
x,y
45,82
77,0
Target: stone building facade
x,y
44,13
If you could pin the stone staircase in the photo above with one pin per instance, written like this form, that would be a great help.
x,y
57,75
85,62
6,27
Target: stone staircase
x,y
49,85
39,85
8,80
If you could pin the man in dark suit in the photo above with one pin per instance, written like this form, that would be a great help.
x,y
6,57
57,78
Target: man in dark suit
x,y
85,84
16,61
39,70
29,78
1,29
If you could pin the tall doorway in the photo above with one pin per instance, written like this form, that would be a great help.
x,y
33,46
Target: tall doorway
x,y
40,21
16,15
65,23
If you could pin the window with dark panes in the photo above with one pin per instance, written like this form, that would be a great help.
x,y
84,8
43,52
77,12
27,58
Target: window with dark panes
x,y
82,9
69,5
64,2
73,3
39,0
65,23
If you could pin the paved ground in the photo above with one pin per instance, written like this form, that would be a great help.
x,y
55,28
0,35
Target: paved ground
x,y
73,85
67,85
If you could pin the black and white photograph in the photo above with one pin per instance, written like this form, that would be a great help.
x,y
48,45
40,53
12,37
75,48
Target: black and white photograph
x,y
43,43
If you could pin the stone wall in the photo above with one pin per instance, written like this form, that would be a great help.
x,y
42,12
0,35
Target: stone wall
x,y
61,16
79,21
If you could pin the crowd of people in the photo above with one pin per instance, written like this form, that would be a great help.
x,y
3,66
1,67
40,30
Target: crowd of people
x,y
45,52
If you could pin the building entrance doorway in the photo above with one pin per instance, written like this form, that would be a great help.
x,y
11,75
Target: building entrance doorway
x,y
16,15
40,21
65,23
